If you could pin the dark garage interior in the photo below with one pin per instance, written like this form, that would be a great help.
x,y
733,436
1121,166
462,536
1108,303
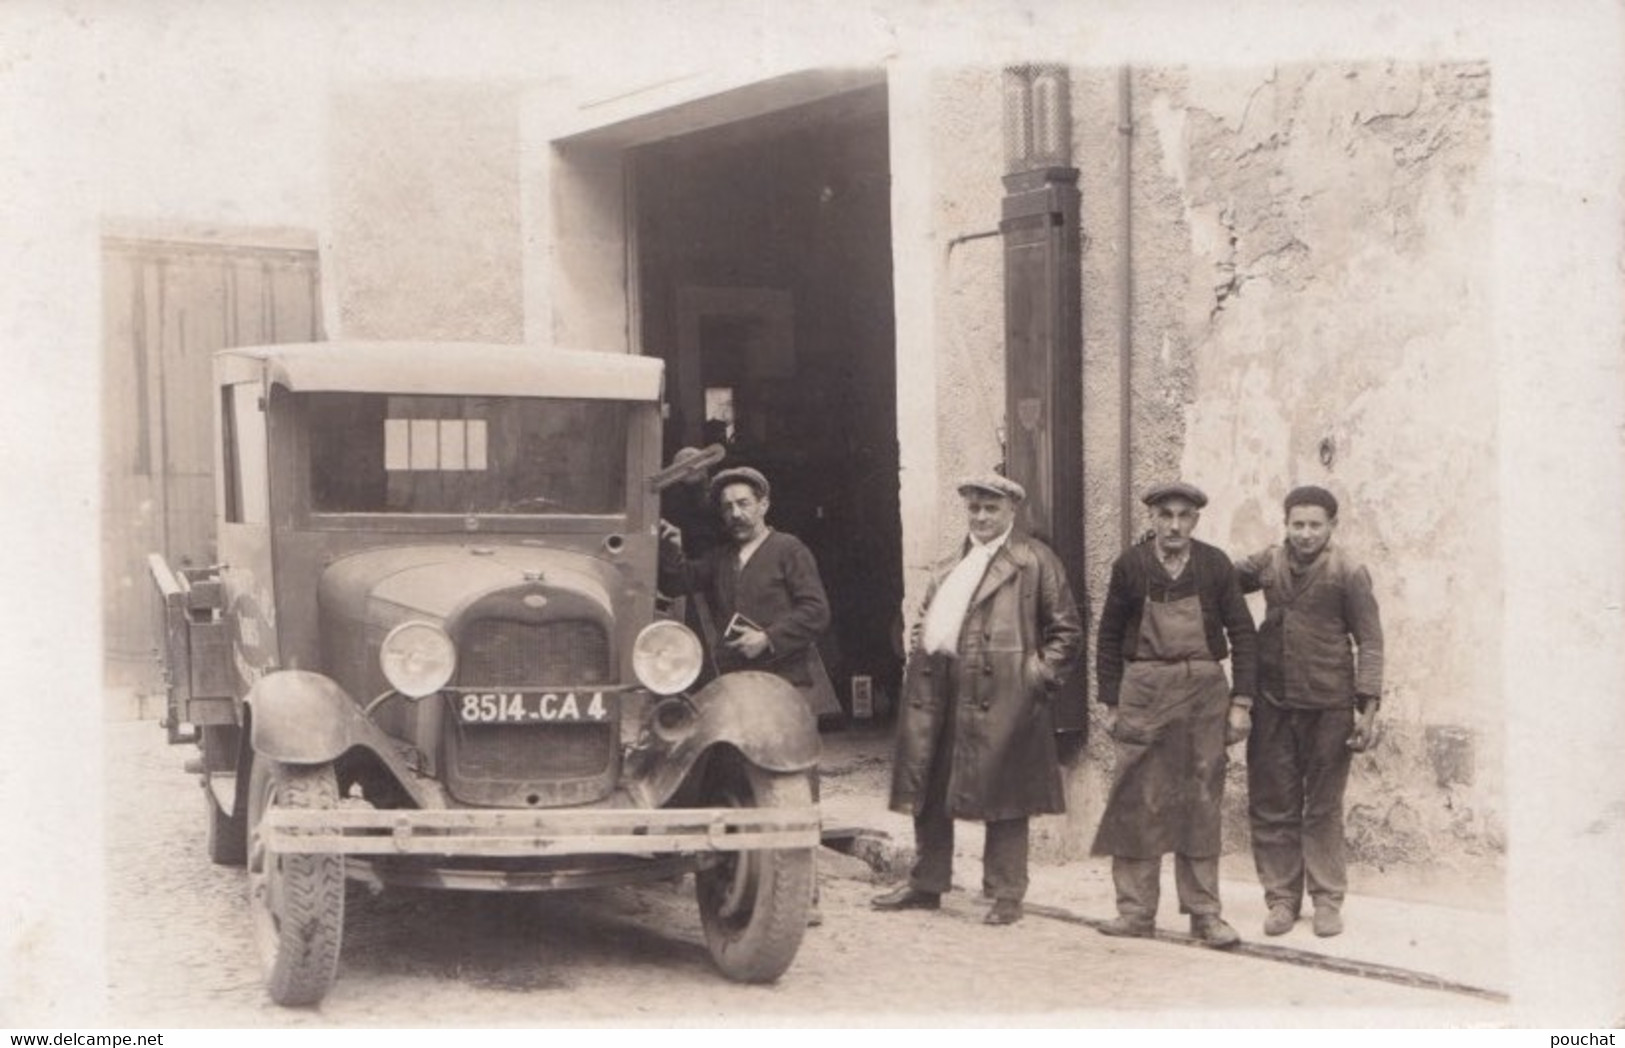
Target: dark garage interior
x,y
764,279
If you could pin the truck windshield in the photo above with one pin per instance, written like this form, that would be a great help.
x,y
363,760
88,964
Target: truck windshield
x,y
389,453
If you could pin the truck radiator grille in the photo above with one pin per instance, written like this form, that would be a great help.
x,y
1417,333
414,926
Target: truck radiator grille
x,y
514,764
527,753
508,654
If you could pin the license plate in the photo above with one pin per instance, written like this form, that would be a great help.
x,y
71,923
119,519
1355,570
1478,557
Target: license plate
x,y
533,707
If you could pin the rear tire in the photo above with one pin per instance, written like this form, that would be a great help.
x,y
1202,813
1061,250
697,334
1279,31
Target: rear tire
x,y
296,901
753,904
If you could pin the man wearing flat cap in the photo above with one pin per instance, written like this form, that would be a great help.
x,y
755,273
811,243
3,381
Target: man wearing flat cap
x,y
1174,611
975,732
1320,683
764,601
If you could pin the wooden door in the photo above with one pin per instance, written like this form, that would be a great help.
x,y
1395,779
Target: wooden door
x,y
168,304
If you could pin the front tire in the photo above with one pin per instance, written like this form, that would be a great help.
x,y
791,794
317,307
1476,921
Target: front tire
x,y
754,904
296,901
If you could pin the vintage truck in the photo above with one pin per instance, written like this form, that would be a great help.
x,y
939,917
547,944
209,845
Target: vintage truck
x,y
431,654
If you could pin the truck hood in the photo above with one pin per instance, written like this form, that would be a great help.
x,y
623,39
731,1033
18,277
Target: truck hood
x,y
442,583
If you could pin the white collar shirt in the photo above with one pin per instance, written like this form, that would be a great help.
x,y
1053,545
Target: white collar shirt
x,y
748,549
946,615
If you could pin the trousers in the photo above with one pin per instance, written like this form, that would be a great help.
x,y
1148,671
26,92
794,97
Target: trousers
x,y
1139,885
1297,769
1004,852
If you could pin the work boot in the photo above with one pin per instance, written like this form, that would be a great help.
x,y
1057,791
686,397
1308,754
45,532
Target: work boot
x,y
1004,911
1213,931
1281,919
1126,927
1328,921
907,898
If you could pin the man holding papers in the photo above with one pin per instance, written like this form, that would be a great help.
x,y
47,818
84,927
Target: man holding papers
x,y
763,603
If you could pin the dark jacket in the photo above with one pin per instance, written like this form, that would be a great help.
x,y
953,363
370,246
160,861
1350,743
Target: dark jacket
x,y
1321,641
779,590
1020,639
1210,576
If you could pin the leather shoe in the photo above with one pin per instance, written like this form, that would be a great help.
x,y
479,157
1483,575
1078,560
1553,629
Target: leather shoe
x,y
1004,911
1280,920
907,898
1213,931
1128,928
1328,921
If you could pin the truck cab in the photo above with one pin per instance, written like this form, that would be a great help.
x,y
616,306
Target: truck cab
x,y
431,653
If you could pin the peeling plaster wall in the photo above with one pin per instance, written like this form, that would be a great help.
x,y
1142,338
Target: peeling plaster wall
x,y
1311,259
426,212
1306,302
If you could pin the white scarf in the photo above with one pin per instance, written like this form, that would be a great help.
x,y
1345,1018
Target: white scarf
x,y
946,615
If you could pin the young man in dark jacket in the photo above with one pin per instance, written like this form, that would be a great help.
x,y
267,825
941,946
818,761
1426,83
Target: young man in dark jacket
x,y
1318,699
1172,605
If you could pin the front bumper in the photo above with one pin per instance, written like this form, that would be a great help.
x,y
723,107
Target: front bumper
x,y
524,832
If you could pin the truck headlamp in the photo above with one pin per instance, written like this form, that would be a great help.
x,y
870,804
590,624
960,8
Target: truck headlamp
x,y
666,657
417,658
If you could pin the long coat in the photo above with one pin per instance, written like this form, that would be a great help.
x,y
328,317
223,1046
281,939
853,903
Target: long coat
x,y
1020,639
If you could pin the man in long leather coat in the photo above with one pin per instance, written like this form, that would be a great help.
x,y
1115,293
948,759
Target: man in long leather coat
x,y
975,733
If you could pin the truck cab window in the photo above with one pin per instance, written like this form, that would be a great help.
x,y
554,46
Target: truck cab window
x,y
244,495
391,453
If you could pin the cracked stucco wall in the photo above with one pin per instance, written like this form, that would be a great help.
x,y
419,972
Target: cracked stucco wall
x,y
1311,263
1303,265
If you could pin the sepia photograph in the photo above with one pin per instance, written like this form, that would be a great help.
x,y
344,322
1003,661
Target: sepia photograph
x,y
737,514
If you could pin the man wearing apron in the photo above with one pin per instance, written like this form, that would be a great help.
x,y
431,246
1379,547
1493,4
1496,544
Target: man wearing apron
x,y
1174,610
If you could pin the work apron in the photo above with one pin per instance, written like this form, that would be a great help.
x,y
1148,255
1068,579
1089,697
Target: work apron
x,y
1171,715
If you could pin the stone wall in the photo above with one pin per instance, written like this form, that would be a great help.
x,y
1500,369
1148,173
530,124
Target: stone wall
x,y
1311,255
1303,267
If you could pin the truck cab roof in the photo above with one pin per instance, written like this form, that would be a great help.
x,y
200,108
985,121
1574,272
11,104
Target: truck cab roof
x,y
444,368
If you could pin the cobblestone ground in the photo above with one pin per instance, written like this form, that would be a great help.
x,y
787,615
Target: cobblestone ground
x,y
180,952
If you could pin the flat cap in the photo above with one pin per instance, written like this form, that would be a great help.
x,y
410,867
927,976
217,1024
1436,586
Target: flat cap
x,y
1174,489
740,475
993,484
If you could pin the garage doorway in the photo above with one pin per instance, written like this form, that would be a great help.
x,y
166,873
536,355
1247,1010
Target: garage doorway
x,y
763,268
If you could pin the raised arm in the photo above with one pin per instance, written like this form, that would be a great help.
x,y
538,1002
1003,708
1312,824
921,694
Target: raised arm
x,y
1242,634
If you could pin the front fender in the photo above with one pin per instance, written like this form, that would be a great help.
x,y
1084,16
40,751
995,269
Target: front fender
x,y
760,714
299,717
